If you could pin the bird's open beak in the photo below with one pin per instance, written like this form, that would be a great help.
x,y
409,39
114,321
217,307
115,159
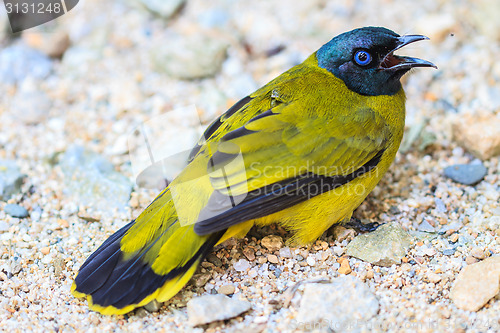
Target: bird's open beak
x,y
394,62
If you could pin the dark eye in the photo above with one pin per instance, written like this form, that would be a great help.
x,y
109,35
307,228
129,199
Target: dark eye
x,y
362,58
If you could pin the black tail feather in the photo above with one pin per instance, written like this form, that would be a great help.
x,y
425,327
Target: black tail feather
x,y
112,281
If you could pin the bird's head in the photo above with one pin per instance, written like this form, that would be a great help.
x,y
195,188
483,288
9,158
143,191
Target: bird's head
x,y
364,59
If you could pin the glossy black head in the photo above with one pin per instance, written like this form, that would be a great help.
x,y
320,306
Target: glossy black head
x,y
363,58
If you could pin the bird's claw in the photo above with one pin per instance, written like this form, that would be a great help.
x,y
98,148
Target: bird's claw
x,y
359,226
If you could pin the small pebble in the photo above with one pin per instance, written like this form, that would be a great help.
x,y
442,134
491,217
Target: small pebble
x,y
141,313
209,308
467,174
311,262
47,259
45,250
449,252
454,238
63,223
285,253
214,260
419,259
341,233
16,211
241,265
227,289
252,273
477,253
199,280
430,251
344,267
272,242
440,206
433,277
426,227
470,260
338,250
272,259
152,306
249,253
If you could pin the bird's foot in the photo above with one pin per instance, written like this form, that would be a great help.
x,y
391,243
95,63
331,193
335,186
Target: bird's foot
x,y
359,226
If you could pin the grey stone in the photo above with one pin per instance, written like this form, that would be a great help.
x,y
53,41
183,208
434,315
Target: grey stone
x,y
31,105
11,179
209,308
212,258
467,174
152,306
341,306
92,180
384,247
16,211
141,313
193,57
199,280
18,62
426,227
440,206
449,252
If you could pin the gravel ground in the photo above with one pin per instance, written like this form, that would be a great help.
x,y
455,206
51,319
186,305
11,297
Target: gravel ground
x,y
73,91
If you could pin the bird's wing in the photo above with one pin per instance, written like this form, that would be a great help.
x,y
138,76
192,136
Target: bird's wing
x,y
215,126
283,154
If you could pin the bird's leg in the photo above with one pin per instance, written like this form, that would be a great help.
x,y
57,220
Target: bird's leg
x,y
359,226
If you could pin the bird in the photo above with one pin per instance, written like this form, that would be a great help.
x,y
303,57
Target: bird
x,y
303,151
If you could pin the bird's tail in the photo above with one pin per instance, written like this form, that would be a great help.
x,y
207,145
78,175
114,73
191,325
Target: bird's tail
x,y
143,261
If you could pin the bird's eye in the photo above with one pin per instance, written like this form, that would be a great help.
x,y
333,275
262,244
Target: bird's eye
x,y
362,58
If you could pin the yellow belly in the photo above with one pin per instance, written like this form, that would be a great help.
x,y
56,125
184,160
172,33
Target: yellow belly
x,y
309,219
